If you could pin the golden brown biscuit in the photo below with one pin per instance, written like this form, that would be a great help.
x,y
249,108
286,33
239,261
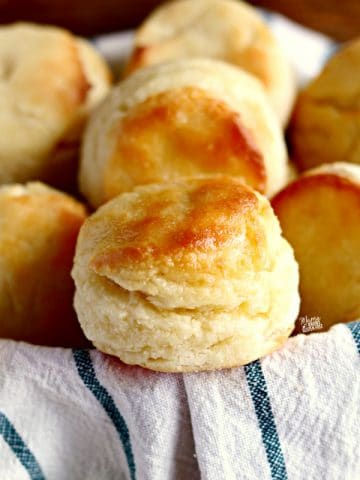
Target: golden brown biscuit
x,y
184,118
320,217
38,230
50,81
326,121
184,276
227,30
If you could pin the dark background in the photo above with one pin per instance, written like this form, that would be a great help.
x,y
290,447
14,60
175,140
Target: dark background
x,y
338,18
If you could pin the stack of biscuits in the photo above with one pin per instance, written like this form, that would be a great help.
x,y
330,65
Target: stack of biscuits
x,y
182,264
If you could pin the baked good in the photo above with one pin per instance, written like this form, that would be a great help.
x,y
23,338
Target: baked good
x,y
180,119
326,119
185,276
50,81
292,172
227,30
38,230
320,217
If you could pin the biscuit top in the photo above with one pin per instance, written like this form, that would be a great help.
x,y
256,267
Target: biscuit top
x,y
182,133
182,119
38,231
338,85
184,244
201,217
42,79
49,79
346,170
325,122
228,30
337,176
34,211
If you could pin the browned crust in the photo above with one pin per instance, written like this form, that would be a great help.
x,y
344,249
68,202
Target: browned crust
x,y
39,280
308,182
137,60
79,93
215,209
319,216
179,133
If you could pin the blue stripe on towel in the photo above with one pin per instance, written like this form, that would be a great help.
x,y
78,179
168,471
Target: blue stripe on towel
x,y
18,446
355,331
259,394
87,374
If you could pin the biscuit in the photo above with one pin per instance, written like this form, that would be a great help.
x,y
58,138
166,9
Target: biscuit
x,y
227,30
185,276
326,121
320,217
50,81
38,230
180,119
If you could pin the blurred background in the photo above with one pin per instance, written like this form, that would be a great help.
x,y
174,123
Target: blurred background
x,y
338,19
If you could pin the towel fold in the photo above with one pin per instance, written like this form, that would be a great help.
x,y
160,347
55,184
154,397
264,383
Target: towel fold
x,y
79,414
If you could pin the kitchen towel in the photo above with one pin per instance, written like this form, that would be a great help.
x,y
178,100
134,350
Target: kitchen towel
x,y
82,415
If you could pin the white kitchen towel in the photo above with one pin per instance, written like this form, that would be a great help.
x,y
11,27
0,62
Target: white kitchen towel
x,y
82,415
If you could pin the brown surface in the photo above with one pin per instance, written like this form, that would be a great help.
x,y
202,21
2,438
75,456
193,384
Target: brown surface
x,y
340,20
91,17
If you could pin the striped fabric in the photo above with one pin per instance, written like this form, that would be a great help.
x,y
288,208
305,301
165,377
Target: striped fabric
x,y
355,330
19,448
260,397
83,415
88,376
